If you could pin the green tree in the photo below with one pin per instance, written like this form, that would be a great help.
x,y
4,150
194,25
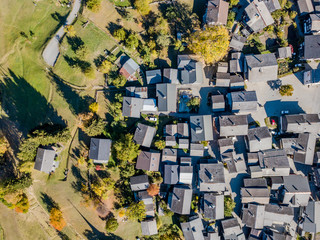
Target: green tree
x,y
119,81
292,14
211,44
286,90
160,144
229,205
112,224
126,150
136,211
127,171
178,46
233,3
170,232
132,42
70,30
142,6
163,41
160,27
93,5
194,103
120,34
95,126
105,66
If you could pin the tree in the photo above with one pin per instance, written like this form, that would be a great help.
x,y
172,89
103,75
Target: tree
x,y
89,72
70,30
286,90
170,232
105,66
160,144
142,6
229,205
112,224
95,126
178,46
163,41
120,34
56,219
211,44
153,189
292,14
132,41
126,150
233,3
160,27
136,211
194,103
119,81
127,171
4,145
93,5
94,107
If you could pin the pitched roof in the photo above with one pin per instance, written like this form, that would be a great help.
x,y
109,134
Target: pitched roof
x,y
196,149
45,160
243,101
129,68
284,52
171,174
233,125
167,97
191,73
138,183
253,216
211,177
186,175
171,129
305,6
259,15
311,76
272,5
144,135
201,128
217,12
296,184
183,129
261,60
148,161
169,155
180,200
131,107
153,76
315,22
312,46
237,42
149,227
192,230
170,75
100,150
259,139
311,217
213,206
255,182
300,123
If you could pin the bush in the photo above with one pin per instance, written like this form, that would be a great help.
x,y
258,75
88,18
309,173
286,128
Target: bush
x,y
160,144
229,205
94,107
153,189
95,126
112,224
142,6
93,5
286,90
120,34
56,219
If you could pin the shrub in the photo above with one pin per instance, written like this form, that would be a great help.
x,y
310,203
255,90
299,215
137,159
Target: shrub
x,y
93,5
160,144
153,189
112,225
136,211
56,219
94,107
229,205
286,90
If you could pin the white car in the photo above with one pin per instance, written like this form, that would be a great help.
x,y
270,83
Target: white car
x,y
153,119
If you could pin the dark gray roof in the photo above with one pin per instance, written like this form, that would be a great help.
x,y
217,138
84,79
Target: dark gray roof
x,y
259,139
217,12
193,229
233,125
45,160
255,182
311,76
148,161
284,52
153,76
170,75
167,97
183,60
196,149
183,129
213,206
273,158
171,174
201,128
300,123
272,5
144,135
237,42
311,217
225,145
183,143
180,200
236,82
274,208
311,46
171,129
243,101
131,107
100,150
139,183
191,73
149,227
169,155
231,226
211,177
171,141
261,60
305,6
296,184
253,216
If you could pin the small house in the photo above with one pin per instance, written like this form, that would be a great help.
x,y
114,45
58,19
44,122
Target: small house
x,y
201,128
211,177
284,52
222,79
196,150
170,75
237,42
253,216
130,70
171,141
149,227
169,156
193,229
171,174
45,160
190,71
312,24
218,103
232,229
243,101
233,125
100,150
216,12
153,76
213,206
144,135
171,129
139,183
300,123
259,139
305,6
183,130
183,143
167,97
236,82
148,161
186,174
179,200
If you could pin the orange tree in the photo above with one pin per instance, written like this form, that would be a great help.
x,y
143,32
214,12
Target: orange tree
x,y
56,219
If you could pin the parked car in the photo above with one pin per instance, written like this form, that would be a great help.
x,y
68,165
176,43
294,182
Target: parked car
x,y
298,65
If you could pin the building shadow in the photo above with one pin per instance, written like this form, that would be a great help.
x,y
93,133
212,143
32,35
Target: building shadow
x,y
274,108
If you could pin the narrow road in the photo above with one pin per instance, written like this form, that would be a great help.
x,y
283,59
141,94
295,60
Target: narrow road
x,y
51,52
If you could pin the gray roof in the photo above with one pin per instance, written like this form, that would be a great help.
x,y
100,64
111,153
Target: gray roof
x,y
258,15
139,183
311,76
261,60
171,129
183,129
183,60
272,5
315,22
196,149
311,47
237,42
130,67
153,76
149,227
167,97
186,174
300,123
138,92
255,182
180,200
213,206
148,161
171,174
231,226
222,67
211,177
311,217
236,82
225,145
144,135
253,216
257,195
284,52
45,160
201,128
131,107
183,143
233,125
192,230
216,12
100,150
171,141
259,139
222,79
305,6
218,103
170,75
276,214
243,101
169,155
191,73
296,184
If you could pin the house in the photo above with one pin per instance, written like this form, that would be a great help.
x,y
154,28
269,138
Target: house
x,y
171,174
148,202
276,182
193,229
237,42
253,216
259,139
272,162
171,141
257,16
236,82
301,148
218,103
272,5
222,67
235,162
284,52
148,161
300,123
222,79
190,71
153,76
139,183
311,47
216,13
186,174
100,150
45,160
167,97
196,149
137,92
231,229
183,143
252,158
255,191
305,6
149,227
144,135
261,67
278,214
233,125
225,145
310,221
213,206
171,129
243,101
296,191
201,128
183,130
130,70
311,77
312,24
179,200
170,75
169,156
132,106
211,177
236,62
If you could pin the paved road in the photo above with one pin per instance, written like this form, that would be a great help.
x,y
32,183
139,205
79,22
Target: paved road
x,y
51,52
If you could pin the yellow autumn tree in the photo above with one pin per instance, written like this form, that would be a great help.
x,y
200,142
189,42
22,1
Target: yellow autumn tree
x,y
56,219
211,44
70,30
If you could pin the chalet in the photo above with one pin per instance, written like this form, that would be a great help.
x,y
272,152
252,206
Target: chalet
x,y
139,183
201,128
211,177
216,12
167,97
45,160
300,123
233,125
179,200
171,174
259,139
213,206
148,161
243,101
100,150
193,229
144,135
169,156
190,71
130,70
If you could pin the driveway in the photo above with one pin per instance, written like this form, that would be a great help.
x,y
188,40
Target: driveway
x,y
51,52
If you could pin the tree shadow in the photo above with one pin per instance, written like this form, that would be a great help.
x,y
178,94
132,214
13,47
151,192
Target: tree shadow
x,y
77,103
77,62
58,17
26,105
98,60
112,27
50,203
123,12
77,185
75,43
63,236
